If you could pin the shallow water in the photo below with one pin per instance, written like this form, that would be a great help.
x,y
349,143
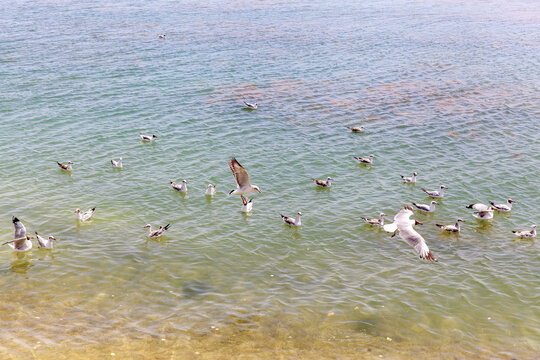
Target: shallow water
x,y
447,89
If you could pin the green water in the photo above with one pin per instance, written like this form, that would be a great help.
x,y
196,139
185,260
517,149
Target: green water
x,y
447,89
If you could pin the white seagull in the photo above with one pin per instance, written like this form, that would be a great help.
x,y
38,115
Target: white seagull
x,y
86,215
426,208
156,233
45,243
162,36
247,205
356,129
527,234
116,164
368,160
451,228
323,183
407,233
251,106
502,207
180,187
241,176
409,179
21,241
291,221
66,167
210,190
375,222
147,138
436,193
392,227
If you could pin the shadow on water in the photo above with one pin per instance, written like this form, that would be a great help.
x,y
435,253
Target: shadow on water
x,y
22,263
195,289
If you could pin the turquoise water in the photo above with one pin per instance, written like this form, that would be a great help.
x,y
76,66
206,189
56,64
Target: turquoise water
x,y
447,89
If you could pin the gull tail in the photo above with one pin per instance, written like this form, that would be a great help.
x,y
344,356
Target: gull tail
x,y
469,206
166,227
14,219
424,190
439,225
491,202
401,176
514,231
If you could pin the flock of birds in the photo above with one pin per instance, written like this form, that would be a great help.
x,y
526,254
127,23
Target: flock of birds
x,y
402,224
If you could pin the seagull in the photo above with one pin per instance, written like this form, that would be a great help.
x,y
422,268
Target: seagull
x,y
210,190
502,207
66,167
116,164
435,193
147,138
478,207
291,221
451,228
241,176
356,129
426,208
484,214
21,241
247,205
251,106
407,233
323,183
180,187
86,215
368,160
162,36
527,234
409,179
376,222
392,228
156,233
45,243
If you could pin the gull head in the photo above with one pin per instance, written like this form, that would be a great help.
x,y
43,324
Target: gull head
x,y
371,156
211,186
443,187
460,220
52,238
184,181
256,188
382,214
29,237
415,173
147,226
408,207
120,159
154,135
434,203
70,163
510,201
77,211
534,226
299,213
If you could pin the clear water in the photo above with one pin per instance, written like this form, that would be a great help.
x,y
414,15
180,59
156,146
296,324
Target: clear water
x,y
448,89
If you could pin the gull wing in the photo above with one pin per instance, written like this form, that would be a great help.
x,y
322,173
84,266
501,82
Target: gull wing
x,y
20,230
240,174
402,217
416,240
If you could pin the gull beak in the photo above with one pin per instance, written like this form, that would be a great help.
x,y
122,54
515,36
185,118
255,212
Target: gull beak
x,y
419,223
259,191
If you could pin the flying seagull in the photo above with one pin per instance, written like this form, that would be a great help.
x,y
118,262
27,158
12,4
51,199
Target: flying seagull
x,y
241,176
407,233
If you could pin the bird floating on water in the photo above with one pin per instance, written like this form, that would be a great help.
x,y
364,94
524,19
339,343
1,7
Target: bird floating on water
x,y
162,36
502,207
45,243
527,234
484,214
247,204
241,176
116,164
251,106
86,215
323,183
147,138
362,160
156,233
210,190
180,187
407,233
426,208
375,222
21,241
451,228
356,129
291,221
409,179
435,193
66,167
